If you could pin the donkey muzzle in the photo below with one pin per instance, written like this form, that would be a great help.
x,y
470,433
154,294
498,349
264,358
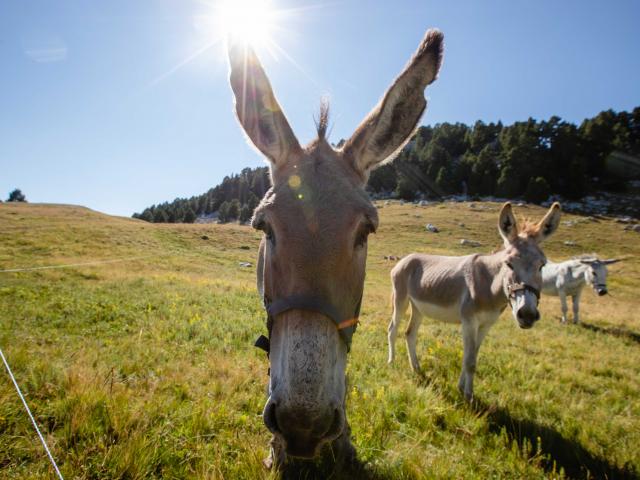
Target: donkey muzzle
x,y
303,431
527,317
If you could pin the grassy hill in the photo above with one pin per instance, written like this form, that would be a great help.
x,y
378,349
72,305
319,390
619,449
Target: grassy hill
x,y
144,367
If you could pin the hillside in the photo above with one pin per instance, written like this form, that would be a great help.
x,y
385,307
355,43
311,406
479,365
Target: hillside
x,y
144,367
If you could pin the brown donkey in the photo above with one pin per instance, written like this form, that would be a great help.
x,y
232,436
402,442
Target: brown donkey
x,y
474,289
316,218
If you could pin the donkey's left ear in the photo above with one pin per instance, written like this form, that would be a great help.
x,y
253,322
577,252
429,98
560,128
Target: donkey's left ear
x,y
611,261
390,124
549,224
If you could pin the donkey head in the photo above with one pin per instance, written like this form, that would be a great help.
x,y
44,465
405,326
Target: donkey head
x,y
523,261
596,274
316,218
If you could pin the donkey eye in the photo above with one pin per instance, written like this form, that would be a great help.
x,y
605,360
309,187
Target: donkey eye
x,y
362,236
266,229
268,233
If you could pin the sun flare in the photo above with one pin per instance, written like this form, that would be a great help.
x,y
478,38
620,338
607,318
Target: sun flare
x,y
249,21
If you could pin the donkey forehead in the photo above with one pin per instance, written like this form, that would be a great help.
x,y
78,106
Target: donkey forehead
x,y
598,267
313,192
526,249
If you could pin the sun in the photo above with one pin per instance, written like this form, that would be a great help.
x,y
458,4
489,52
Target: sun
x,y
249,21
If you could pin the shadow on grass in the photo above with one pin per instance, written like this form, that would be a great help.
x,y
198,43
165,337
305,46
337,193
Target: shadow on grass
x,y
554,451
557,451
615,331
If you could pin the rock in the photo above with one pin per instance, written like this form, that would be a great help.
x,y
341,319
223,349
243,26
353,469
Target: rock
x,y
469,243
633,228
245,247
244,264
462,225
624,220
204,237
432,228
569,223
423,203
391,257
570,243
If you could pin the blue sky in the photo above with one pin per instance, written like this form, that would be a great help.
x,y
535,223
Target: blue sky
x,y
95,111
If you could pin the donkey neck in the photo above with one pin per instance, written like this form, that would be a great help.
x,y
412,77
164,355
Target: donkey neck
x,y
494,272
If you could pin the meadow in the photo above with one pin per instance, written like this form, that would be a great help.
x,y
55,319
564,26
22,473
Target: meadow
x,y
144,367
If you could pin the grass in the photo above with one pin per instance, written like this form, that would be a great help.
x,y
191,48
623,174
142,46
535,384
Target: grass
x,y
145,368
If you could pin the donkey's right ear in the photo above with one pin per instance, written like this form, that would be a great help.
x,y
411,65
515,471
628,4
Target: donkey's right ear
x,y
507,225
390,124
256,106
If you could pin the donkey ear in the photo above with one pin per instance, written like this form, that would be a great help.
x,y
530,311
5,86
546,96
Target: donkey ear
x,y
507,225
390,124
549,224
611,261
588,261
257,108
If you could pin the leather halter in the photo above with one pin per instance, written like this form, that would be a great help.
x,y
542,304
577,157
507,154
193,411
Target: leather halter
x,y
512,288
346,326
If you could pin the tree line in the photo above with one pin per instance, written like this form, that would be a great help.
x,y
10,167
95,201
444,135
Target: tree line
x,y
234,199
530,159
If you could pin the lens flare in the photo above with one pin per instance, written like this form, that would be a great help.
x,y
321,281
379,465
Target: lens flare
x,y
249,21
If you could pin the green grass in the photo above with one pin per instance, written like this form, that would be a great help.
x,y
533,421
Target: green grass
x,y
145,368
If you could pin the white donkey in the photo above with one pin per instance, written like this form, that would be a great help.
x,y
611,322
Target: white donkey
x,y
569,278
474,289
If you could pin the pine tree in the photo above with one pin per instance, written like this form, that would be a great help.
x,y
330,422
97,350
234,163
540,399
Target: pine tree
x,y
16,196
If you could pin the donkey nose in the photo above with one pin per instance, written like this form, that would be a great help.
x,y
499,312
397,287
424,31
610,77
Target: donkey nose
x,y
527,317
303,430
269,417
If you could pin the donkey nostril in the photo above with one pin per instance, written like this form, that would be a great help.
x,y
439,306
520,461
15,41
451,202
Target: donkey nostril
x,y
269,417
336,426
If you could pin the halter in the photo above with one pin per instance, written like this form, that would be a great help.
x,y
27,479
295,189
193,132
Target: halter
x,y
346,326
512,288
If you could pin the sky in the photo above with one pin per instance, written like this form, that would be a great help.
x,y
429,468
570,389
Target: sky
x,y
122,104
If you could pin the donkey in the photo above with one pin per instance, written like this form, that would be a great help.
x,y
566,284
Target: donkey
x,y
316,218
473,289
569,278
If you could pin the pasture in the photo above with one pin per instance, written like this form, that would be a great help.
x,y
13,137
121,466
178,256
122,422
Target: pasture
x,y
146,368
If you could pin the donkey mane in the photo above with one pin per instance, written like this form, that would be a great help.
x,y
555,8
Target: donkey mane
x,y
323,119
528,227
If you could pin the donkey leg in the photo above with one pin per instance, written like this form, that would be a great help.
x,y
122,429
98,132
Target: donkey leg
x,y
471,346
563,305
400,302
412,336
576,307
